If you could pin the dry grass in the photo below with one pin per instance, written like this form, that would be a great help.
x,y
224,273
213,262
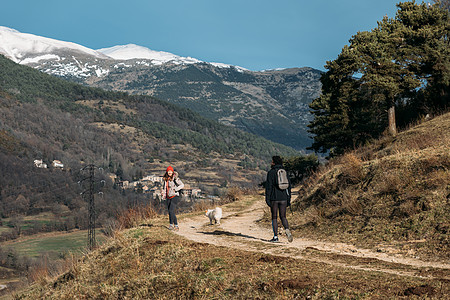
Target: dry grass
x,y
430,134
235,194
153,263
202,206
39,274
394,190
135,216
351,168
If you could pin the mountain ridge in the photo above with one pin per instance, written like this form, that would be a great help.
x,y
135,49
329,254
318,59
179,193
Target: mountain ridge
x,y
271,103
21,44
15,45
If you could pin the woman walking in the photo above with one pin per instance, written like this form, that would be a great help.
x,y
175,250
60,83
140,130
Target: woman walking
x,y
277,198
170,192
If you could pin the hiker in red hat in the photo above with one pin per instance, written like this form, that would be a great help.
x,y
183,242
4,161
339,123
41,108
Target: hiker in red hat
x,y
171,193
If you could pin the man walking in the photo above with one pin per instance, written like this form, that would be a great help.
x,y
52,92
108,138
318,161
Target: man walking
x,y
278,196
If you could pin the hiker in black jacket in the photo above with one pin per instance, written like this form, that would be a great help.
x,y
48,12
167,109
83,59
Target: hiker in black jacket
x,y
278,199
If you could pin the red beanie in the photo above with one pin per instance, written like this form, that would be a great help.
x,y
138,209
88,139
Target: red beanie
x,y
169,168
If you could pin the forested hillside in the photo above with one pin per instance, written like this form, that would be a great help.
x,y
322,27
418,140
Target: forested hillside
x,y
158,118
272,104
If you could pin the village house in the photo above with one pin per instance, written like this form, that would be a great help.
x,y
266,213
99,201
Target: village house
x,y
188,191
196,192
39,163
57,164
148,178
156,193
133,184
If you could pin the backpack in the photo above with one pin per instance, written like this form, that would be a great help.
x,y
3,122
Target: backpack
x,y
282,179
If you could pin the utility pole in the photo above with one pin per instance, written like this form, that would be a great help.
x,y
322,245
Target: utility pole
x,y
91,227
90,192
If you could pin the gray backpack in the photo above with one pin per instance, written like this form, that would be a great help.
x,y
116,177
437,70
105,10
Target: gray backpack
x,y
282,179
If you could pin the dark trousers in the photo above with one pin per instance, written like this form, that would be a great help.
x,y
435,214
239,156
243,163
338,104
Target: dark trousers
x,y
171,206
275,207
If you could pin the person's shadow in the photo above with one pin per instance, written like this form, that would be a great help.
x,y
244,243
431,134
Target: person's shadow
x,y
227,233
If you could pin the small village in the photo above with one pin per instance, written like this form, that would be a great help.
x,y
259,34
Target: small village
x,y
150,184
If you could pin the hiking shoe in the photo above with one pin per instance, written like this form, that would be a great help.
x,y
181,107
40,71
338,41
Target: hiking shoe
x,y
274,240
171,227
289,235
176,228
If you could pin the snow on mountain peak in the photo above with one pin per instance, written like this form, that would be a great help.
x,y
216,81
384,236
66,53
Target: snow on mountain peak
x,y
132,51
17,45
3,28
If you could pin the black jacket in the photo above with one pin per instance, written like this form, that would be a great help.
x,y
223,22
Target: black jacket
x,y
273,193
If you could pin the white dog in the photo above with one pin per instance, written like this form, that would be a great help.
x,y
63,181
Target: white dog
x,y
214,214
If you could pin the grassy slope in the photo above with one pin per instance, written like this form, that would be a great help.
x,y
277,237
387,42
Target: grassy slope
x,y
152,263
149,262
393,193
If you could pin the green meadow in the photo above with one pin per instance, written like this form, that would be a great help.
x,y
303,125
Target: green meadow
x,y
55,245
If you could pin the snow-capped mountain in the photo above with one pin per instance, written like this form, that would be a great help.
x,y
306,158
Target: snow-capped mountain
x,y
26,48
29,49
272,103
131,51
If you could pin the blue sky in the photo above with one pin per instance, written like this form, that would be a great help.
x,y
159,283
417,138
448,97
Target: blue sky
x,y
254,34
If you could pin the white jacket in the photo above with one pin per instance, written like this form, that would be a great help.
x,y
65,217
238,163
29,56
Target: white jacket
x,y
170,188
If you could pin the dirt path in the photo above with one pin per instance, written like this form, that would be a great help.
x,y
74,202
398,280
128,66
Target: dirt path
x,y
239,229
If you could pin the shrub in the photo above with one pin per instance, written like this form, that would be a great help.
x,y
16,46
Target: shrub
x,y
352,168
233,194
135,216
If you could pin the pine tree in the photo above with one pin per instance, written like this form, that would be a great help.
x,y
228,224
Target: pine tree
x,y
445,4
403,63
300,166
426,52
